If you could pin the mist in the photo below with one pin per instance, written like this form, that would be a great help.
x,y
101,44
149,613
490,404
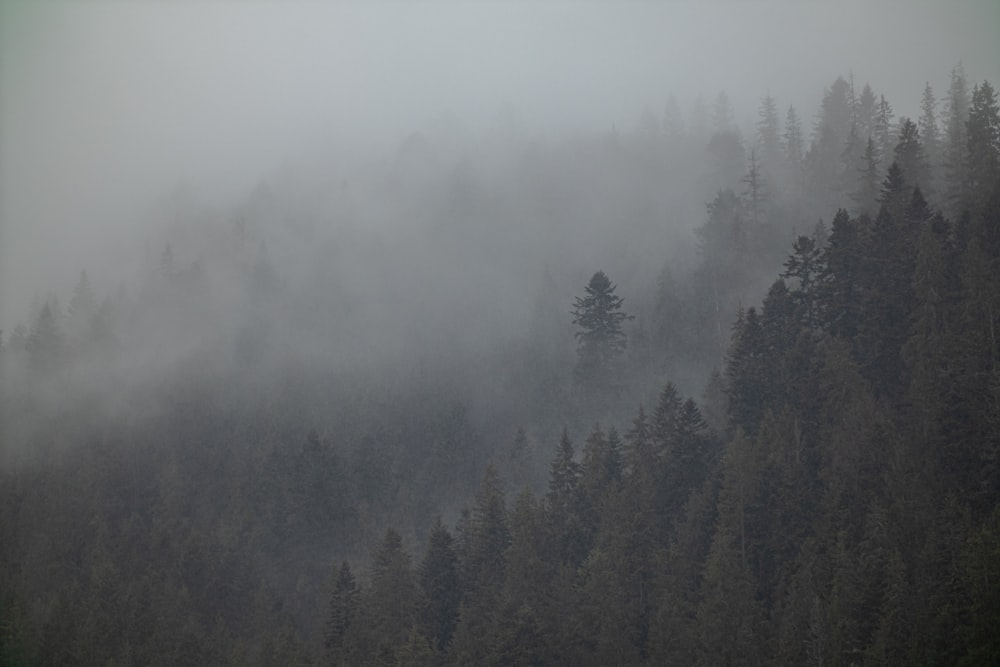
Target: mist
x,y
552,296
107,106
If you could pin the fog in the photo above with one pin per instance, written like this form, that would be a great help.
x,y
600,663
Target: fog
x,y
645,333
108,106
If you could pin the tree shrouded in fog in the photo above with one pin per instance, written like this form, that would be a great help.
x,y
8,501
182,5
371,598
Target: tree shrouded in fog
x,y
601,338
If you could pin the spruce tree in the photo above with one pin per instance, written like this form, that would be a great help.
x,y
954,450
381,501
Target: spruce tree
x,y
982,146
909,155
601,338
865,195
882,131
955,143
930,134
769,134
439,580
341,611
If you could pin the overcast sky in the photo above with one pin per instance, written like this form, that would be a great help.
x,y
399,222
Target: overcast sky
x,y
105,105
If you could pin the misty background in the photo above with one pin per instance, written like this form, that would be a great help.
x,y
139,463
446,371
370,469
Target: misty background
x,y
107,108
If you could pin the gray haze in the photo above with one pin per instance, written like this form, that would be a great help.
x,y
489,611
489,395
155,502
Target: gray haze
x,y
107,108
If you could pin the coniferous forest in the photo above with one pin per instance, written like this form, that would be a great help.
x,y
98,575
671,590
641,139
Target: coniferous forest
x,y
690,393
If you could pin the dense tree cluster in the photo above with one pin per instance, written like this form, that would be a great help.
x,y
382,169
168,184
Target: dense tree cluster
x,y
833,499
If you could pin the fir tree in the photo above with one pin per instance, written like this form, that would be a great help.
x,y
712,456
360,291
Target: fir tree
x,y
930,134
983,146
955,142
769,134
439,581
909,156
882,132
601,338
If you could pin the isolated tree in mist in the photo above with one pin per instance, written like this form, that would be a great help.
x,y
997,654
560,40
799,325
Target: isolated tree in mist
x,y
601,338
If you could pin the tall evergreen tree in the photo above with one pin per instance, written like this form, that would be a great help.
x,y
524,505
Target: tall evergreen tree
x,y
955,141
804,267
794,149
882,132
865,112
930,134
390,605
754,194
565,506
983,146
769,135
910,157
341,612
601,338
865,195
441,587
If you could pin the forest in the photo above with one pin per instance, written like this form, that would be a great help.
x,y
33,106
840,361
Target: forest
x,y
687,393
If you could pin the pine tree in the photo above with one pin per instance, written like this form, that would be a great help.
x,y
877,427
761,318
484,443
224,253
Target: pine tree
x,y
882,132
769,134
849,157
910,157
565,506
600,472
983,146
390,606
747,372
794,148
804,267
341,612
442,592
955,142
930,133
754,195
601,337
730,619
865,112
866,195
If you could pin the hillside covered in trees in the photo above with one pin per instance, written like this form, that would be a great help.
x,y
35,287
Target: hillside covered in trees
x,y
691,393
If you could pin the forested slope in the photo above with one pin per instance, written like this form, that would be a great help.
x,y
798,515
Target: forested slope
x,y
791,454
